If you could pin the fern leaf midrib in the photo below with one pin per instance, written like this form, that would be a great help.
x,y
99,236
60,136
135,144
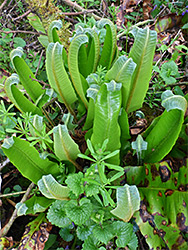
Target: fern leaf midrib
x,y
138,73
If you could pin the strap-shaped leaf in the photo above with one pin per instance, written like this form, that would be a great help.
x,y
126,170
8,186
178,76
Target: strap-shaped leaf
x,y
52,33
92,93
36,125
65,148
32,87
106,124
92,50
73,66
27,159
35,21
109,46
16,96
163,205
128,201
58,77
171,101
88,55
82,61
43,40
142,54
162,134
50,188
122,71
124,126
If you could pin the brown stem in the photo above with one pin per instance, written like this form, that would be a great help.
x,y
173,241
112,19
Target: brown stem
x,y
2,165
6,228
79,8
39,63
172,85
77,13
3,4
22,31
20,17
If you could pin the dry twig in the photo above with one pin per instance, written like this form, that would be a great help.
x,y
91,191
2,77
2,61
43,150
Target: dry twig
x,y
20,17
79,8
3,4
22,31
6,228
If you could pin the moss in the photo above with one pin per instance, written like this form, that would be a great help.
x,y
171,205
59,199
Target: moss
x,y
48,12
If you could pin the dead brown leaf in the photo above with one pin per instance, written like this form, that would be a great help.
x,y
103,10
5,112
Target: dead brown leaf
x,y
126,6
147,7
139,127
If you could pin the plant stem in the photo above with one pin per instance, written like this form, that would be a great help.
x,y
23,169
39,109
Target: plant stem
x,y
22,31
3,4
20,17
6,228
2,165
136,25
11,194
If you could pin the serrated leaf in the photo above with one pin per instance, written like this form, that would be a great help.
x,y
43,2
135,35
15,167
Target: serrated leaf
x,y
68,121
65,234
90,244
74,182
92,91
83,232
123,231
91,189
139,145
50,188
128,201
79,213
103,233
57,216
133,243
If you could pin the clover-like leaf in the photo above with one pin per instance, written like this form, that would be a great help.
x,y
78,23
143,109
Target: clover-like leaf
x,y
79,213
57,216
